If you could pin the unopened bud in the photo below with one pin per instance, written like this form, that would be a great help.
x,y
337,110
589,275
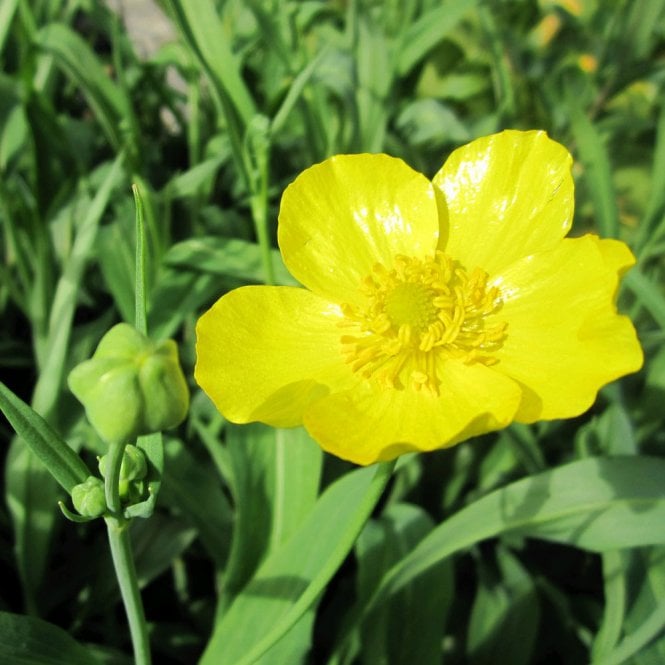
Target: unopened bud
x,y
88,497
131,385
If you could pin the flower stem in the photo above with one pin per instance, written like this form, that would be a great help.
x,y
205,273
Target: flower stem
x,y
123,561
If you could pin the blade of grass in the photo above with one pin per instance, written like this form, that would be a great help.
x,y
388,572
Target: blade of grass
x,y
649,294
597,168
429,30
7,10
73,55
202,29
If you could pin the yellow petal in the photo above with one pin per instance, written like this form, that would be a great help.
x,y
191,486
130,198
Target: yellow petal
x,y
616,254
365,425
508,195
341,217
264,353
564,339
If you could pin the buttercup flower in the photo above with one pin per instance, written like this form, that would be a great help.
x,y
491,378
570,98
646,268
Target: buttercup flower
x,y
432,311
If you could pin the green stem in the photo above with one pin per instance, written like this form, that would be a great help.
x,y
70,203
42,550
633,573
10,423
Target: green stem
x,y
123,560
260,215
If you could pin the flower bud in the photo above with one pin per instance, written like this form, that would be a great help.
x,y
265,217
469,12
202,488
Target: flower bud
x,y
131,385
88,497
132,467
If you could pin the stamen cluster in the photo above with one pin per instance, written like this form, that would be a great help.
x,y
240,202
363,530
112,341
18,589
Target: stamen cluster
x,y
414,315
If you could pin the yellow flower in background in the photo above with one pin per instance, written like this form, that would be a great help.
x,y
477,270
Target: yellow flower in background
x,y
432,311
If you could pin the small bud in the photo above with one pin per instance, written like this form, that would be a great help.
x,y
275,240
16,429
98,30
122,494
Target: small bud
x,y
88,497
131,385
132,467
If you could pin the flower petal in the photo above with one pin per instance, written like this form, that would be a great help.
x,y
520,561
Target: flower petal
x,y
365,425
264,352
565,339
339,218
508,195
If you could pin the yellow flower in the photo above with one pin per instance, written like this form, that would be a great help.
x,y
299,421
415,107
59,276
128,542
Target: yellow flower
x,y
433,311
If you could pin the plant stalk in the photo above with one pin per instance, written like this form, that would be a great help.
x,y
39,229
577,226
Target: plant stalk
x,y
123,560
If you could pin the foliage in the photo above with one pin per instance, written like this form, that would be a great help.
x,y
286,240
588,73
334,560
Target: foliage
x,y
537,544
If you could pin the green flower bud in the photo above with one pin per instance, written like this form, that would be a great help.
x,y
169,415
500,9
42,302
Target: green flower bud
x,y
131,385
133,469
133,466
88,497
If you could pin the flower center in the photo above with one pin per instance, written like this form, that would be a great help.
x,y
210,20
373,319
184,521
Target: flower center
x,y
418,313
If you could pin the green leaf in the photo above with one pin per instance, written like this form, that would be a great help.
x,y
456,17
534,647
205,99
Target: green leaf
x,y
615,570
429,30
386,637
140,272
193,488
225,256
58,458
7,10
648,293
275,483
202,30
28,641
505,614
597,168
597,504
195,180
294,575
643,623
76,58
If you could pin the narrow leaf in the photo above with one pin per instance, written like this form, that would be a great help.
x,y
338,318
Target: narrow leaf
x,y
60,460
597,504
292,577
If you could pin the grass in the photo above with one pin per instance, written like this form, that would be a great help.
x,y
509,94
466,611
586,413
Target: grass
x,y
269,87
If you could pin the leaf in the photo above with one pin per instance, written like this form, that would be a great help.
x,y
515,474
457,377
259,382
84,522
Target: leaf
x,y
427,123
429,30
648,293
645,620
597,168
76,58
597,504
225,256
29,641
386,636
195,490
615,570
195,180
293,576
202,30
7,10
54,453
275,483
505,614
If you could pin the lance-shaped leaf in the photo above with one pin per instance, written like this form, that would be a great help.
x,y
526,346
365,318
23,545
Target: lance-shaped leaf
x,y
56,455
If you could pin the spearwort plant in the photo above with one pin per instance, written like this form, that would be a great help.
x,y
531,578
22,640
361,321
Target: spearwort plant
x,y
407,250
